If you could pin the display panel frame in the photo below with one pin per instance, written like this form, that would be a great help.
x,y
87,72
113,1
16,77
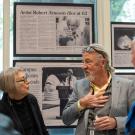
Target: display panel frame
x,y
122,33
41,73
40,29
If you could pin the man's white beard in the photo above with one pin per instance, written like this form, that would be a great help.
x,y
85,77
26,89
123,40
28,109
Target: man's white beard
x,y
90,77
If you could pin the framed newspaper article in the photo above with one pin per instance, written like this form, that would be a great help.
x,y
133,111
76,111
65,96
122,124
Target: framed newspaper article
x,y
122,35
52,83
46,29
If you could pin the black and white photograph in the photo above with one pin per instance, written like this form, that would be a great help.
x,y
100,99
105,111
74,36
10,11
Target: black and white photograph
x,y
52,83
52,29
72,31
122,35
58,85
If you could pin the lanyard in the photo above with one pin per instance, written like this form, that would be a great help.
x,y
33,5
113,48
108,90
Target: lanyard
x,y
91,127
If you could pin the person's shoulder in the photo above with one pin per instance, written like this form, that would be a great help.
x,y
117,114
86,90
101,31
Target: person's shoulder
x,y
82,81
121,79
32,97
82,84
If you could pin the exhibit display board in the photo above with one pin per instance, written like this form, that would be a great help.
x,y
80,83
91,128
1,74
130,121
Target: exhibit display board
x,y
43,29
50,83
122,35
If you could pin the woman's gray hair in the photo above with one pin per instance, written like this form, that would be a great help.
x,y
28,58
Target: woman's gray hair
x,y
98,48
7,79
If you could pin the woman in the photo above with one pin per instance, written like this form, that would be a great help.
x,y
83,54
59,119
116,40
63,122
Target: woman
x,y
19,104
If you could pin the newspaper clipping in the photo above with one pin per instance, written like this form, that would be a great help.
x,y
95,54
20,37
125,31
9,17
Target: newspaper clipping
x,y
52,29
52,84
122,35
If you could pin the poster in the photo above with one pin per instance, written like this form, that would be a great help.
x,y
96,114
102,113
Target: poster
x,y
52,29
50,83
122,35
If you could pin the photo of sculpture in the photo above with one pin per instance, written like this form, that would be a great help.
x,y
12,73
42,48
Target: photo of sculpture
x,y
57,84
72,31
123,37
58,76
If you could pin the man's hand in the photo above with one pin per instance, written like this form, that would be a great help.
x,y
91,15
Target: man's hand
x,y
91,101
105,123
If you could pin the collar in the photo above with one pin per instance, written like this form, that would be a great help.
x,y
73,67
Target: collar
x,y
97,89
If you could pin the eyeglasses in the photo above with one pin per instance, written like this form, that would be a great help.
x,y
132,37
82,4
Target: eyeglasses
x,y
24,80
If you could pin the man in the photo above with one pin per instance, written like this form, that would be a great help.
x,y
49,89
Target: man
x,y
100,101
70,79
71,34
